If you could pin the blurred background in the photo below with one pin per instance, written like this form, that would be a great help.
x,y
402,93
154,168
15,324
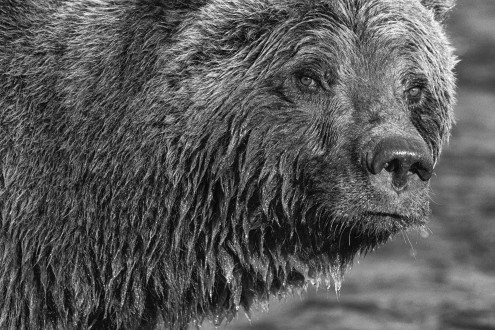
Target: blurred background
x,y
444,280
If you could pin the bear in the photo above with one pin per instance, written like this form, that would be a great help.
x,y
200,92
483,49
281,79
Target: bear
x,y
165,162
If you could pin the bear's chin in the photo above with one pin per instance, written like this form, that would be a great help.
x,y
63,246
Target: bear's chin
x,y
329,262
376,228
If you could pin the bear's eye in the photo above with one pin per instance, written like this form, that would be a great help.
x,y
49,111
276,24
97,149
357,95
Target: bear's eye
x,y
414,94
307,82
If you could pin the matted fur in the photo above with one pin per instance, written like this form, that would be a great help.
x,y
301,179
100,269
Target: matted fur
x,y
158,161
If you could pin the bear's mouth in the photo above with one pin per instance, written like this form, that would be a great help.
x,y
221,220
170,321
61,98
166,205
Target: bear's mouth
x,y
386,215
394,219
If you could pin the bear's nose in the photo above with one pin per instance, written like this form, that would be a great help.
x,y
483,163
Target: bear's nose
x,y
402,157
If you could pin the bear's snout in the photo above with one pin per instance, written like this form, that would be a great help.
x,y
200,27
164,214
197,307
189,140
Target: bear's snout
x,y
401,159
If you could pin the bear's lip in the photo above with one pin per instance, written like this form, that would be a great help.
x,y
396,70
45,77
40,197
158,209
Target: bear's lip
x,y
406,219
387,214
400,221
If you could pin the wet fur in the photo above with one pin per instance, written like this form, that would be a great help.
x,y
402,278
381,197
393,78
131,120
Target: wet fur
x,y
157,163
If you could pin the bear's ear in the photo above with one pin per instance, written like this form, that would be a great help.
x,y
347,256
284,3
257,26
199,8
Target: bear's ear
x,y
439,7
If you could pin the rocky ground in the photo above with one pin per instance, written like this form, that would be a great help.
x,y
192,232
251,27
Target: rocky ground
x,y
445,280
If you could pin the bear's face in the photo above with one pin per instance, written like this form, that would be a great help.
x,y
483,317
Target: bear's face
x,y
346,84
323,121
318,87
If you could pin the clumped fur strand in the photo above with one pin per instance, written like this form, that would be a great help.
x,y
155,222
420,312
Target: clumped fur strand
x,y
156,164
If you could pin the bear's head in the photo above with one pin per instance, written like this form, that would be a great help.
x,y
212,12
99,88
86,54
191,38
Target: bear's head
x,y
309,135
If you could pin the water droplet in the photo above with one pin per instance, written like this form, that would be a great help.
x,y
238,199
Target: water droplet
x,y
264,305
337,273
317,282
237,296
412,253
328,283
217,320
248,315
196,323
423,231
338,286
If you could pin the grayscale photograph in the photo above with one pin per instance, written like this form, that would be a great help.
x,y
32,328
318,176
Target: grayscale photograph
x,y
247,164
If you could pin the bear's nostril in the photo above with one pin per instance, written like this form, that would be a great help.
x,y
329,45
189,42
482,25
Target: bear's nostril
x,y
401,157
422,170
392,166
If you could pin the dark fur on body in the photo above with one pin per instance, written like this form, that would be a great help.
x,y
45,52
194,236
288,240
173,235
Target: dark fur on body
x,y
159,159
